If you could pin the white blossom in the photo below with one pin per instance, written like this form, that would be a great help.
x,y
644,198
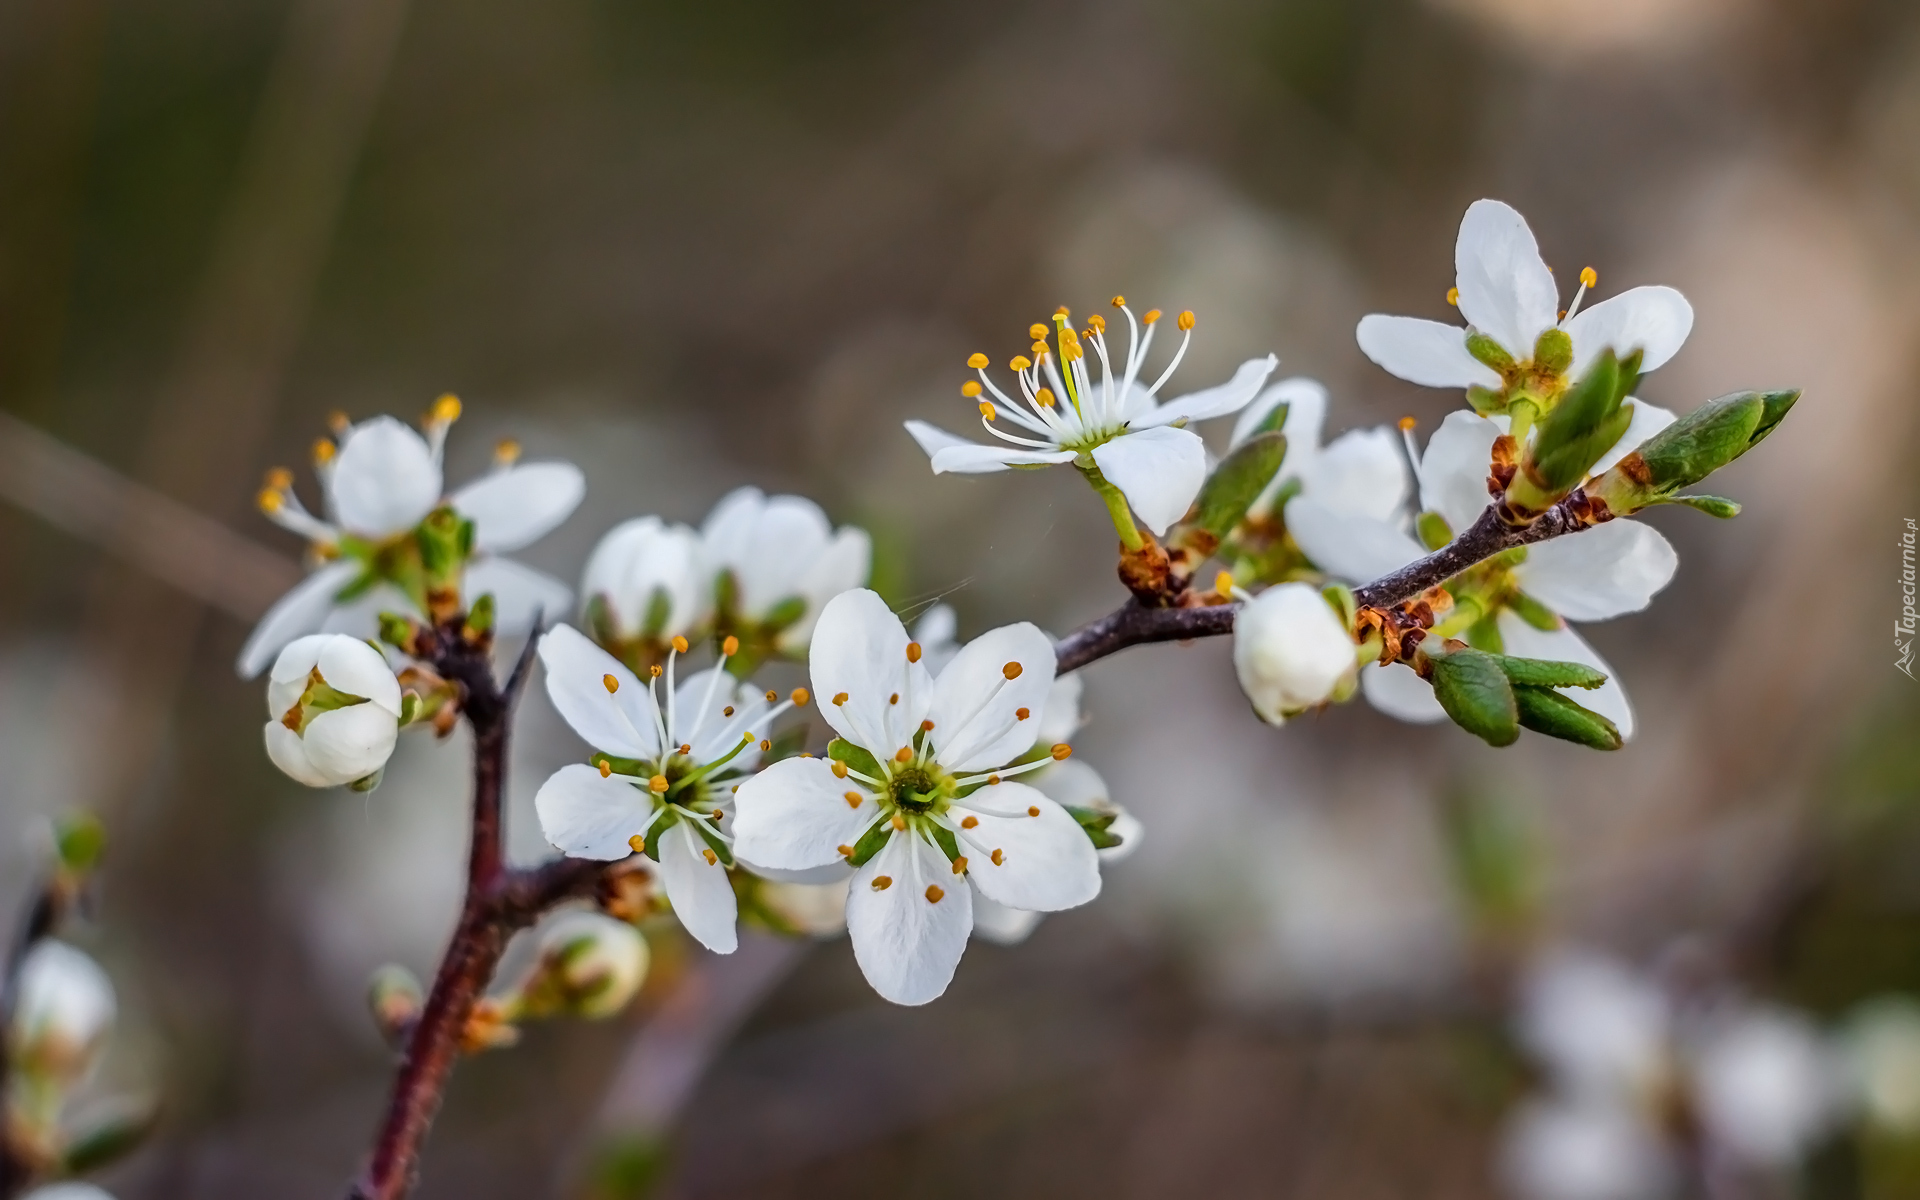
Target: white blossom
x,y
645,570
335,710
69,1191
1362,471
783,559
1506,291
933,773
379,483
1882,1054
63,1010
1291,651
1117,426
1584,1149
1766,1081
597,962
664,783
1602,572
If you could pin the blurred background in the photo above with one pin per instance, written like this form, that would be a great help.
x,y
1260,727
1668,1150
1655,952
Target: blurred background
x,y
691,246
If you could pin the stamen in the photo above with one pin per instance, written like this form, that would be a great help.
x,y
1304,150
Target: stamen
x,y
1020,362
612,684
1062,311
679,643
1060,751
279,479
727,711
323,451
800,697
338,422
710,856
657,784
960,865
1152,315
1588,278
853,799
686,748
1033,810
899,823
839,769
765,745
639,843
731,646
1119,301
882,882
1185,320
1021,714
447,408
840,698
1037,332
506,452
1043,397
1012,670
998,857
845,851
772,696
894,699
913,651
977,361
1223,583
1406,436
1097,323
926,727
905,754
993,780
934,893
606,769
654,671
1453,296
969,822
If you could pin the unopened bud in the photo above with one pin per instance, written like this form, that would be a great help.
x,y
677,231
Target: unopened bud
x,y
394,996
1489,352
1690,449
591,965
63,1010
334,708
1291,652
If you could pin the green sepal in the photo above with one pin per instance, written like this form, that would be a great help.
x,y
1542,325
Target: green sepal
x,y
1713,506
1544,710
1489,352
366,783
79,839
107,1136
653,622
1775,406
1275,420
601,626
784,614
871,843
1554,350
949,845
1484,634
480,618
1340,596
1540,672
1703,441
1474,691
1433,530
1485,401
622,766
1095,823
1233,487
397,630
657,826
785,744
1532,611
856,758
707,834
410,703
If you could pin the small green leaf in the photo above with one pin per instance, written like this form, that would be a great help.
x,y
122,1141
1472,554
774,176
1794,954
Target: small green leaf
x,y
1484,634
1713,506
1433,530
1546,711
1540,672
480,617
1095,823
856,758
1472,688
1237,482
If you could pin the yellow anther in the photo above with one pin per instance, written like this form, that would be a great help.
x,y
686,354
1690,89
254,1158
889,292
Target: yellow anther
x,y
800,697
1062,311
971,388
969,822
913,651
612,684
506,451
638,842
606,769
1021,714
993,781
270,500
727,712
1223,583
1185,321
853,799
657,784
1589,277
279,479
840,698
447,408
1407,424
1040,351
712,858
926,727
1119,301
1153,314
731,646
323,451
934,893
772,696
654,671
998,857
1453,296
1097,323
882,882
899,822
1020,362
1037,331
977,361
1043,397
987,410
839,769
679,643
1033,810
904,754
1060,751
845,851
337,421
894,699
686,748
1012,670
960,865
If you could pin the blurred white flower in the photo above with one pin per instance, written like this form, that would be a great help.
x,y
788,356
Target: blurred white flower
x,y
662,786
63,1011
651,579
925,739
69,1191
1363,471
816,909
1766,1083
379,483
593,962
1507,292
1600,1028
335,709
1882,1048
1119,427
1584,1150
1291,652
1530,594
782,560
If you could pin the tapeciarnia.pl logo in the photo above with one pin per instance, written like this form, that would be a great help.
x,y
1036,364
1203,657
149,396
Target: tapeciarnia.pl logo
x,y
1903,625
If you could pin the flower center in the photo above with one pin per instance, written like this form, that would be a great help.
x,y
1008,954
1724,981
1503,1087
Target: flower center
x,y
320,697
920,788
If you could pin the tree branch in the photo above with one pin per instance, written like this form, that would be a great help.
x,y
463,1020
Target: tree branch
x,y
1133,624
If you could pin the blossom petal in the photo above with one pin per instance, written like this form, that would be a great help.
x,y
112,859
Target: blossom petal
x,y
1429,353
351,666
995,922
794,816
842,566
968,458
1647,420
976,706
1352,547
1363,472
619,722
1075,783
515,507
711,710
1061,718
934,439
302,610
352,742
1653,320
698,888
1454,468
645,557
521,595
1585,1147
1306,401
907,944
1396,691
289,753
385,480
1217,401
1046,862
1159,470
1564,645
860,649
1506,290
1612,568
586,815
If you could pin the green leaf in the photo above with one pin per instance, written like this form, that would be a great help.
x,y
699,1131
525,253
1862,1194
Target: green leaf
x,y
111,1131
480,617
1546,711
1473,690
1433,530
1713,506
1540,672
855,758
1095,822
1236,483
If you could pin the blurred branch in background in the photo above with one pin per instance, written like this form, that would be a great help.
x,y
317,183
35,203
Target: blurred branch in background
x,y
145,529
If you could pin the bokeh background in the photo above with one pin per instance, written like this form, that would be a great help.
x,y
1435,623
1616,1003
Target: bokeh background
x,y
694,245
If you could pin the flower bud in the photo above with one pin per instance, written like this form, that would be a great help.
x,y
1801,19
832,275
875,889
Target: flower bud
x,y
1690,449
63,1011
591,965
1581,428
336,710
645,579
69,1191
1291,652
395,998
